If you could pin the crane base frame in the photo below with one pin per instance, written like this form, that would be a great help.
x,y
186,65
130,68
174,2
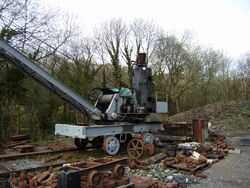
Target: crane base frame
x,y
82,132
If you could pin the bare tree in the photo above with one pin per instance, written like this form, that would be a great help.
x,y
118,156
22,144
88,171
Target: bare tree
x,y
144,34
176,67
35,30
212,63
110,36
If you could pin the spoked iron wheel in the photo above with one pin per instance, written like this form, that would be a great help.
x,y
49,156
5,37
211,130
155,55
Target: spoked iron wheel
x,y
135,148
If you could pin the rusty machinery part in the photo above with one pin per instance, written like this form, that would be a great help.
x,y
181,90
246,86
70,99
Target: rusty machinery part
x,y
111,145
132,163
147,138
118,171
149,149
135,164
81,143
135,148
84,167
125,136
129,137
94,178
97,142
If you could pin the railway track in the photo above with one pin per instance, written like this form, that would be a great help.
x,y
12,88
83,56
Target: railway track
x,y
30,154
49,149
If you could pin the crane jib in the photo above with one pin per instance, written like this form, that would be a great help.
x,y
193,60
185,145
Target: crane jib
x,y
45,79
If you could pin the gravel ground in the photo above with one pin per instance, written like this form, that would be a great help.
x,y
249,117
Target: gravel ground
x,y
233,171
21,164
159,172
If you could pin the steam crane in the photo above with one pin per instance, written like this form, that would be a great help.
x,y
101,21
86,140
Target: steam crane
x,y
117,113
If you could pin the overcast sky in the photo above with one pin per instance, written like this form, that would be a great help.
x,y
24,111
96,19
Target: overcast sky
x,y
221,24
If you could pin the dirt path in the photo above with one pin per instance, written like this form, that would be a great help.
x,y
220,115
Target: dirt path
x,y
234,170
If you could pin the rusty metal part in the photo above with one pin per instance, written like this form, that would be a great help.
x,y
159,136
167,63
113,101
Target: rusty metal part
x,y
19,137
17,143
7,174
44,179
93,173
109,184
44,175
186,163
14,182
58,146
29,175
122,181
132,164
94,178
201,175
143,183
22,176
199,130
136,164
22,184
118,171
49,180
212,151
53,158
106,163
24,148
18,140
141,59
135,148
178,128
149,149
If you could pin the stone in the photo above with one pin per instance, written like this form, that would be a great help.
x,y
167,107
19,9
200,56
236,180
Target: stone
x,y
156,158
201,175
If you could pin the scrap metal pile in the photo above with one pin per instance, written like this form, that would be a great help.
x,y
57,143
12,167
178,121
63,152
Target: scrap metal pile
x,y
196,156
20,143
162,170
217,150
192,158
185,161
90,173
106,172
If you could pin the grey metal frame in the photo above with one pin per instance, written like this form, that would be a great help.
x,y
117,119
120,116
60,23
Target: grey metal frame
x,y
83,132
161,106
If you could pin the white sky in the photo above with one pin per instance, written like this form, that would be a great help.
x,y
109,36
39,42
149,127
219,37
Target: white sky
x,y
221,24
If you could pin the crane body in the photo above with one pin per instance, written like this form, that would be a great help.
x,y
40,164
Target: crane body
x,y
118,112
